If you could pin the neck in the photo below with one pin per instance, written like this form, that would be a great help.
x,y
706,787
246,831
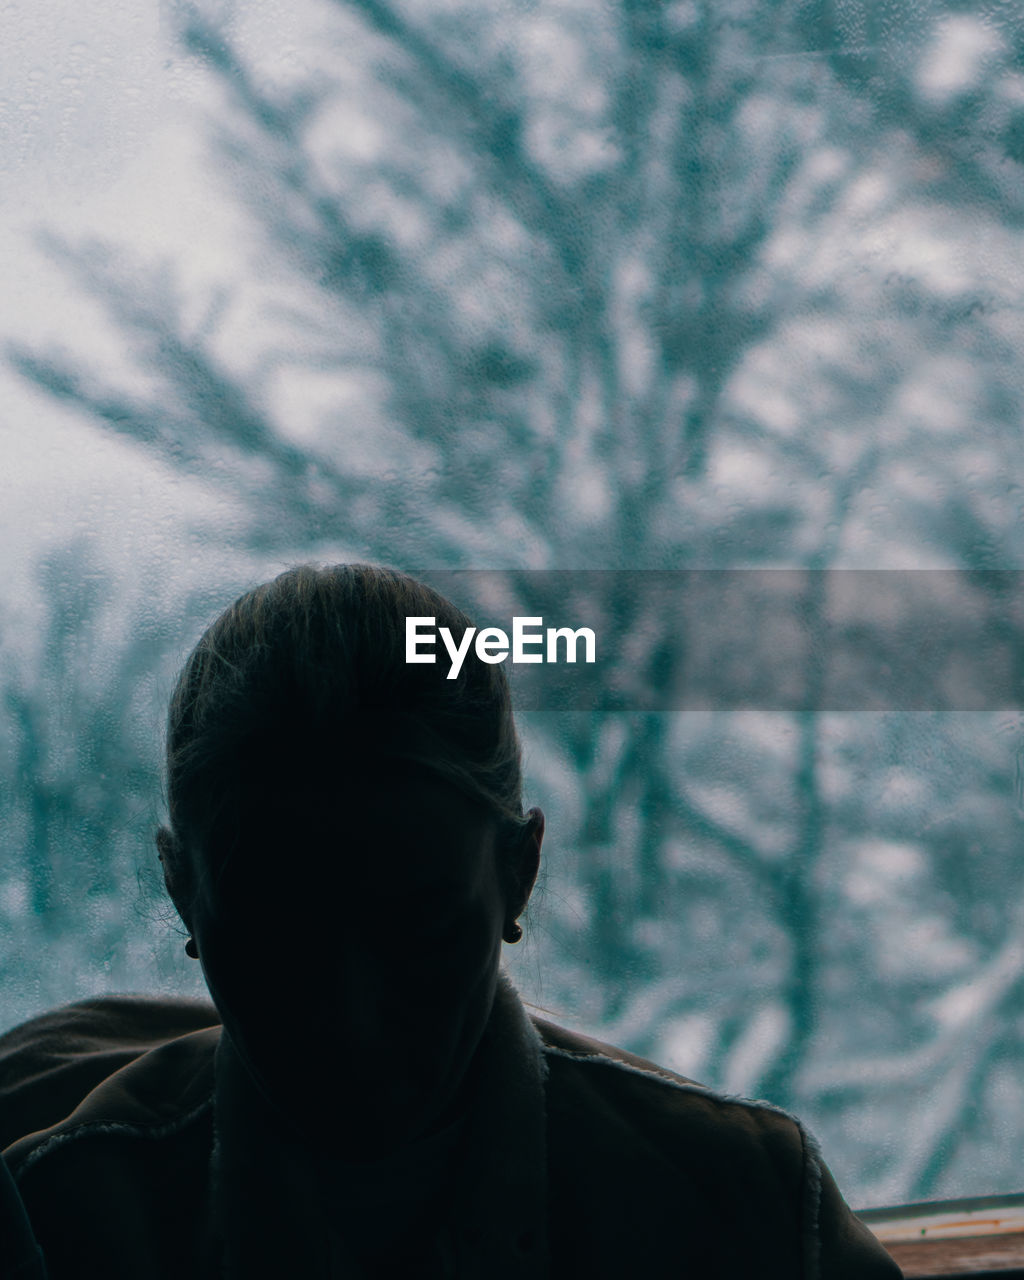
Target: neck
x,y
277,1196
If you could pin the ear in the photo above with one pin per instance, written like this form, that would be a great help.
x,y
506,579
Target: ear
x,y
172,856
526,863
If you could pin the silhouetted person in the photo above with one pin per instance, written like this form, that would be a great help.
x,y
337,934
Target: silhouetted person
x,y
347,848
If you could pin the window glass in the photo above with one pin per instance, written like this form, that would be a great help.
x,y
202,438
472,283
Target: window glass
x,y
552,285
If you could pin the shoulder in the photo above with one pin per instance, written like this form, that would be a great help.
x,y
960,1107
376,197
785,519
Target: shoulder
x,y
68,1065
106,1113
740,1181
642,1093
99,1029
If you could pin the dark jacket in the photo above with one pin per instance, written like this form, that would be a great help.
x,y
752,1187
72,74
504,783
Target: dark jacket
x,y
138,1153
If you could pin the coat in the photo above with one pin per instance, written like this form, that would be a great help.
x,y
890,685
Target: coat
x,y
141,1152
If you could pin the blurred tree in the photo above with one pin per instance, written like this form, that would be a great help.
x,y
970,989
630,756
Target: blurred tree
x,y
574,286
80,799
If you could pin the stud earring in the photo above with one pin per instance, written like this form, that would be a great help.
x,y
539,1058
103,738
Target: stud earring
x,y
191,949
514,932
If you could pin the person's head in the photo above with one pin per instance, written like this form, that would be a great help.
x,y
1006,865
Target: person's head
x,y
346,844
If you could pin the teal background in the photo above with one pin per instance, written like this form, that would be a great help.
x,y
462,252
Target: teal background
x,y
540,286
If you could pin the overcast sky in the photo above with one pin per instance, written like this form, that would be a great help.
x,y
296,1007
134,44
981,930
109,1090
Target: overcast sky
x,y
102,135
101,128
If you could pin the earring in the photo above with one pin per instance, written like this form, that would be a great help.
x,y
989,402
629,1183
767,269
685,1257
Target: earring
x,y
191,949
514,932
